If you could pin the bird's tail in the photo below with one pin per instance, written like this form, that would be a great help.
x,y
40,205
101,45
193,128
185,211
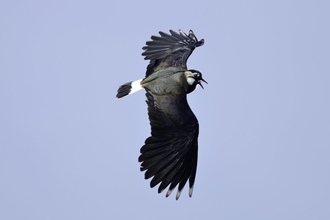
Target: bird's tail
x,y
129,88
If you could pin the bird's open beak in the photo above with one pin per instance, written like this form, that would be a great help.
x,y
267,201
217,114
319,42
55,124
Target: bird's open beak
x,y
200,83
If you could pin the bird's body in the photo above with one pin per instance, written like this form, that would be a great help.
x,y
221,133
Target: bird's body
x,y
166,81
169,155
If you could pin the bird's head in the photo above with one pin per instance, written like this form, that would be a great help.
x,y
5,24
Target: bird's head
x,y
194,77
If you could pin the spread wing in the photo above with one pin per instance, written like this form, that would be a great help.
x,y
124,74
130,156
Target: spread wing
x,y
170,50
170,153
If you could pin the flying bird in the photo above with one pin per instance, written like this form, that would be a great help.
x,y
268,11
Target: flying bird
x,y
169,155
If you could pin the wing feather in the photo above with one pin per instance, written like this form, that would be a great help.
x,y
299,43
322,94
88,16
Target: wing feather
x,y
170,153
171,49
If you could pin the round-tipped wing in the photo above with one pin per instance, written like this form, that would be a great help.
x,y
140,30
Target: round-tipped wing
x,y
170,154
170,50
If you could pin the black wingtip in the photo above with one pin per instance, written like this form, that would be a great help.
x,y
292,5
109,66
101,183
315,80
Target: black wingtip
x,y
164,43
193,36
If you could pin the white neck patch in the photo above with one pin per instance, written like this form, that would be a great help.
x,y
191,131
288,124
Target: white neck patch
x,y
190,80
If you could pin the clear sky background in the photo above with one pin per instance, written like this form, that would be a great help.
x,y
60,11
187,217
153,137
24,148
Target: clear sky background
x,y
69,149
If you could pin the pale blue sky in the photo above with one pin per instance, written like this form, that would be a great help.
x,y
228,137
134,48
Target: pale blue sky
x,y
69,149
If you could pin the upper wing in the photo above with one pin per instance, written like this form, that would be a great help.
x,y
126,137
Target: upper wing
x,y
170,50
170,154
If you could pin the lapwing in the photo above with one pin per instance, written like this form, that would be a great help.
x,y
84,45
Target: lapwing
x,y
169,155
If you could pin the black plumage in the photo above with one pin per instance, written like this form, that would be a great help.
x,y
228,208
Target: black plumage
x,y
170,50
169,155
